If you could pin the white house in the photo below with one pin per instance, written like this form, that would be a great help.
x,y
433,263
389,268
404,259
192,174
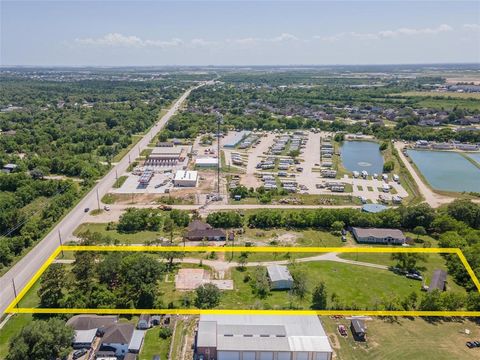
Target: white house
x,y
185,178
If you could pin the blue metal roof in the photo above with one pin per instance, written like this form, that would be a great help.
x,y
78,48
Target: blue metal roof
x,y
374,208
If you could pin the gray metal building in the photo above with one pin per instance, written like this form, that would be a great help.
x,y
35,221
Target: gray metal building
x,y
261,337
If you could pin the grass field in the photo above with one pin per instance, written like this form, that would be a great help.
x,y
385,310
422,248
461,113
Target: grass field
x,y
155,345
435,94
406,339
434,261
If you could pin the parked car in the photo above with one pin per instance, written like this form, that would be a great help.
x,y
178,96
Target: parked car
x,y
106,208
342,330
156,357
79,353
470,344
86,209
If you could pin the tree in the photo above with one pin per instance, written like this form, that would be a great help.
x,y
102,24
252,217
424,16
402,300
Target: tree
x,y
431,301
337,226
140,269
84,269
242,260
299,284
388,166
42,340
51,285
319,297
408,261
207,296
260,283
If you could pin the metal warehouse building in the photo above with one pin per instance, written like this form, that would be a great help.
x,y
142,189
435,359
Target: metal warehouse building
x,y
262,337
280,277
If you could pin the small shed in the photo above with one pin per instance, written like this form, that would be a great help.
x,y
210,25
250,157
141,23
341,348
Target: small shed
x,y
359,330
439,281
280,277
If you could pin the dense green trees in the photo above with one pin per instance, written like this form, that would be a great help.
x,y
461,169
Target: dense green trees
x,y
319,297
225,219
207,296
134,220
42,340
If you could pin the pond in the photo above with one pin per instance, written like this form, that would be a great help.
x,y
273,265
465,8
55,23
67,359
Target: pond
x,y
362,155
447,170
474,156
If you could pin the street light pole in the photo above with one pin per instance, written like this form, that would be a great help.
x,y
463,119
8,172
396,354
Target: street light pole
x,y
219,121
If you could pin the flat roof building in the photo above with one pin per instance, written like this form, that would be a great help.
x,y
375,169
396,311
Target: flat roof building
x,y
206,162
166,155
233,139
253,337
379,236
280,277
185,178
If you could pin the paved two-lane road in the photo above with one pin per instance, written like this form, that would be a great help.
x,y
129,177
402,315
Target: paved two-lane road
x,y
25,269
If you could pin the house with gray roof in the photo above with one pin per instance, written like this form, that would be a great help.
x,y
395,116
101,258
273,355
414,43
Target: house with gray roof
x,y
261,337
379,236
439,281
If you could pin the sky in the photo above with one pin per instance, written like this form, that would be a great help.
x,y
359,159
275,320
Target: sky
x,y
144,33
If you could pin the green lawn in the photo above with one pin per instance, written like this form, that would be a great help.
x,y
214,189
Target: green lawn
x,y
133,238
155,345
434,261
12,328
354,285
405,339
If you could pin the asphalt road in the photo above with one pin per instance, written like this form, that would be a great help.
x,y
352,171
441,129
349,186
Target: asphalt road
x,y
26,268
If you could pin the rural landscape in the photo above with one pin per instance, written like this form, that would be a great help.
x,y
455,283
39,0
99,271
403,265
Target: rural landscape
x,y
239,212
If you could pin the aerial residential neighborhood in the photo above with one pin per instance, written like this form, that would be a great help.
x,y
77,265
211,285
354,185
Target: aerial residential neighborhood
x,y
240,180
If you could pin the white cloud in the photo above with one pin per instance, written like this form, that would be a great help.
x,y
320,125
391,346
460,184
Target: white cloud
x,y
119,40
112,39
411,32
472,27
386,33
284,37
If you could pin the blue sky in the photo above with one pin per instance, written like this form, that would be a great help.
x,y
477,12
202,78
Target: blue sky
x,y
238,32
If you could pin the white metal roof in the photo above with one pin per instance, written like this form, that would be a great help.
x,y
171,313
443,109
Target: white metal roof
x,y
278,273
263,333
84,336
185,175
137,340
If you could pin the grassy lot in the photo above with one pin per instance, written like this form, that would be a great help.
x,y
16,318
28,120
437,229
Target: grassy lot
x,y
119,182
354,285
12,328
155,345
405,339
434,261
434,94
120,238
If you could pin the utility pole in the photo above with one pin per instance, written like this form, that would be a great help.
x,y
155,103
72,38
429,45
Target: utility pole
x,y
129,160
116,174
98,200
219,121
60,240
14,291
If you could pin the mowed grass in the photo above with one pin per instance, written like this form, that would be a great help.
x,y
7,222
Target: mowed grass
x,y
353,284
11,329
406,339
435,94
155,345
140,237
433,262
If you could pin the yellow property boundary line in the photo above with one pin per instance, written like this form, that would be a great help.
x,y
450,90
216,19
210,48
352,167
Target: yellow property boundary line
x,y
13,307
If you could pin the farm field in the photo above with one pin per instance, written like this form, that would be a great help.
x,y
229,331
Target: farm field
x,y
406,339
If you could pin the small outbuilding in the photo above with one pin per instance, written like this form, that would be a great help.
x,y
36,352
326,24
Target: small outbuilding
x,y
280,277
144,322
373,208
359,330
439,281
136,341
